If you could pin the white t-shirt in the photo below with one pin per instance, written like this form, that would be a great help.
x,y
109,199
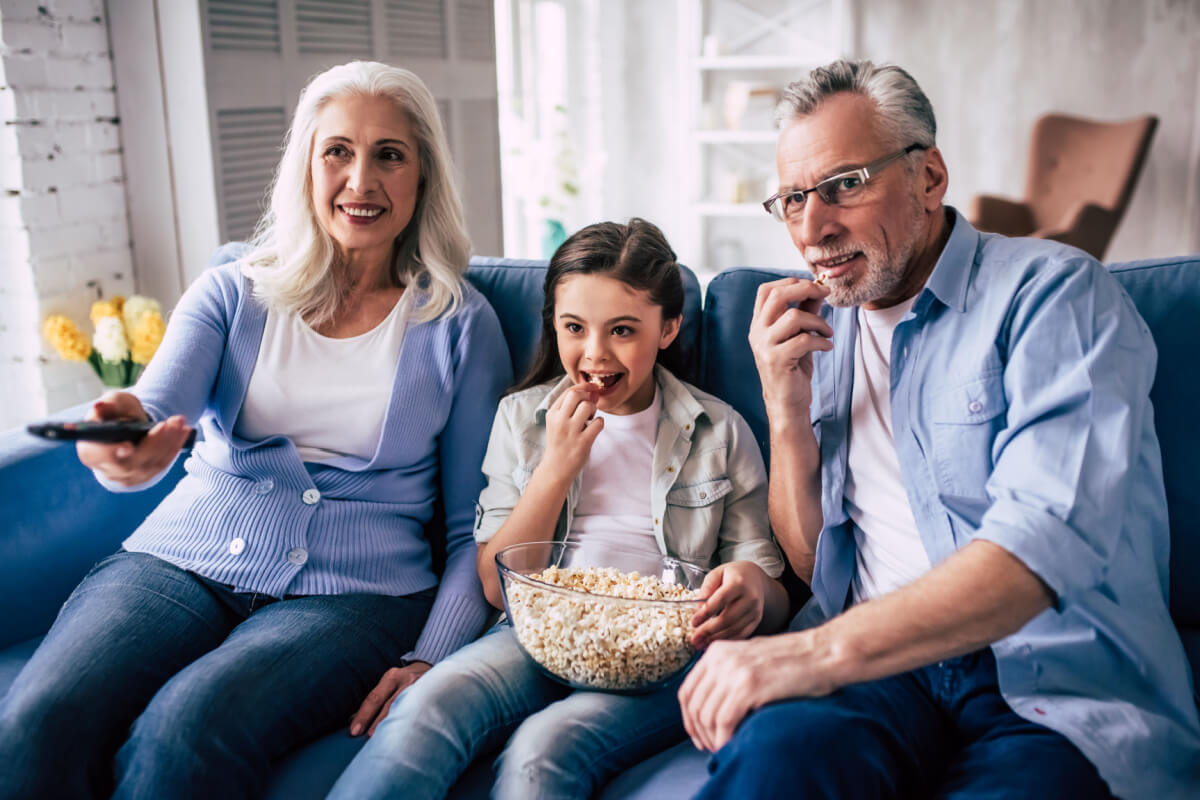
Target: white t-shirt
x,y
614,496
329,396
889,549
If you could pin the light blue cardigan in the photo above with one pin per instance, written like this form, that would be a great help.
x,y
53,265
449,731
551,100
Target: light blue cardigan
x,y
345,526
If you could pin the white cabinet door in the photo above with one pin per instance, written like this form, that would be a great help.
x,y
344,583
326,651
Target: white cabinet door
x,y
206,89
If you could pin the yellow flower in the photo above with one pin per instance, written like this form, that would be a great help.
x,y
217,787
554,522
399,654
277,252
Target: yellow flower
x,y
147,336
66,338
102,309
135,307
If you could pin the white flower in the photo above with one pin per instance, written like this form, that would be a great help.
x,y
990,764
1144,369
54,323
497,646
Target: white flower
x,y
133,309
110,341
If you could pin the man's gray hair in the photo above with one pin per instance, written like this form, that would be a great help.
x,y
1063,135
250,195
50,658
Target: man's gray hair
x,y
905,112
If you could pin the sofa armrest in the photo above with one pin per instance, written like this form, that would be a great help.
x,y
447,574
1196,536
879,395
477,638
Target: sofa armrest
x,y
57,522
1000,215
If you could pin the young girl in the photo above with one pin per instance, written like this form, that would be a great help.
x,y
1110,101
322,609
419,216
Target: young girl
x,y
598,445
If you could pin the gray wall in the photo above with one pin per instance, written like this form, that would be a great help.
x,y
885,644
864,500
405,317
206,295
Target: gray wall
x,y
992,67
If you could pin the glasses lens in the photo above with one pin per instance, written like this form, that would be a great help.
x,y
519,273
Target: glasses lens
x,y
829,190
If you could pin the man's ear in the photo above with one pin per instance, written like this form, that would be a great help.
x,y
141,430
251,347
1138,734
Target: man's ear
x,y
934,179
670,330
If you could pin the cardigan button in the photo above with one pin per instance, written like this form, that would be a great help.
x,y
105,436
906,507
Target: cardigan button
x,y
975,406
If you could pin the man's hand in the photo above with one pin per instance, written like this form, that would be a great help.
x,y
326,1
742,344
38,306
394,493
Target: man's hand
x,y
127,463
785,330
736,594
375,707
734,678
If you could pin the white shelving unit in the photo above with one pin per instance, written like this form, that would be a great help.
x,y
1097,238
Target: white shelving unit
x,y
736,55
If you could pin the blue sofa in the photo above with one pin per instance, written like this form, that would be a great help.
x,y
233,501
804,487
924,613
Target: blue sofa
x,y
57,521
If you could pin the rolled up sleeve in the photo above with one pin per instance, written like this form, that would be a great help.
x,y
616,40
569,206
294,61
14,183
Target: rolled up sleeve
x,y
1079,367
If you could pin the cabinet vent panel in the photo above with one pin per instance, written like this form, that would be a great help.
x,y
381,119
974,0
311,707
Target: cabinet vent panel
x,y
334,26
248,144
244,25
416,29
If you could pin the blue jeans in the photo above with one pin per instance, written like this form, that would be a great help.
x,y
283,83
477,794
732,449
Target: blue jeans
x,y
560,743
942,731
215,684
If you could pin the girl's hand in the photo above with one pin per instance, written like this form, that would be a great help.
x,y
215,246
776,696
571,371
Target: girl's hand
x,y
571,428
733,609
378,703
127,463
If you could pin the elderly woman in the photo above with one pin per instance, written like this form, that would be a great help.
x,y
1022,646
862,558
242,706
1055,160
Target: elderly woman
x,y
343,375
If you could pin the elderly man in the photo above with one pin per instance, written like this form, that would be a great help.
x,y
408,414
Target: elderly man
x,y
964,467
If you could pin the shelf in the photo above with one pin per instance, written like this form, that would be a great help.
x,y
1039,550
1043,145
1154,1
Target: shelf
x,y
755,62
737,137
731,210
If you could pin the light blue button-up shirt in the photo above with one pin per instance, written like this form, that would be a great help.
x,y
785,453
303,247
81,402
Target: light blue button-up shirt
x,y
1020,386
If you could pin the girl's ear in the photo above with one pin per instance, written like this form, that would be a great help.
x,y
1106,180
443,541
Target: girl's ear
x,y
670,330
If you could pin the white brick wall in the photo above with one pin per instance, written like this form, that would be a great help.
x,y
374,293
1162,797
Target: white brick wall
x,y
64,230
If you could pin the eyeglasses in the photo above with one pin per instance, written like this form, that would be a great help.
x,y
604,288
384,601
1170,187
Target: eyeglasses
x,y
841,189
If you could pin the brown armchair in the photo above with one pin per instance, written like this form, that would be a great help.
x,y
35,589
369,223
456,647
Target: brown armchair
x,y
1080,177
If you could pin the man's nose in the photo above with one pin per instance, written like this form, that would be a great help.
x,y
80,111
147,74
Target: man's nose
x,y
818,222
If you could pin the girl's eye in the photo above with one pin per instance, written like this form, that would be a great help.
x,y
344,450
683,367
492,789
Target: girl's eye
x,y
573,327
622,330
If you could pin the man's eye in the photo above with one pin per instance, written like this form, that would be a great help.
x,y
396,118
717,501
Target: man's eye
x,y
793,199
848,183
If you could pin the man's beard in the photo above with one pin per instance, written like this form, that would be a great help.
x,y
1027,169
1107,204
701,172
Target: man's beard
x,y
883,275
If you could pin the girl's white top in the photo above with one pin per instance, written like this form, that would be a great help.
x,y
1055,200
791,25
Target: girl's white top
x,y
329,396
614,499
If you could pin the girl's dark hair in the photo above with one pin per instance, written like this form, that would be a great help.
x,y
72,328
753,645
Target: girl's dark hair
x,y
636,254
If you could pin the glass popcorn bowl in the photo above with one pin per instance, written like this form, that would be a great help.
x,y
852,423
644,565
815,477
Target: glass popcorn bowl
x,y
598,617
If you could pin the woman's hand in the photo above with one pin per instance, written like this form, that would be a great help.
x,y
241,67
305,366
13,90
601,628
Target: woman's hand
x,y
571,428
736,594
127,463
375,707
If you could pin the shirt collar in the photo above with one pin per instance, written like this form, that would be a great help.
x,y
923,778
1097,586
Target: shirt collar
x,y
951,276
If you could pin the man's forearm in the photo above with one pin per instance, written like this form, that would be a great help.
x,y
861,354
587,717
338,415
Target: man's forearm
x,y
794,492
976,597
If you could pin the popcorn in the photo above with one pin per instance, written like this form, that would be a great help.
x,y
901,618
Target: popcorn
x,y
821,278
602,643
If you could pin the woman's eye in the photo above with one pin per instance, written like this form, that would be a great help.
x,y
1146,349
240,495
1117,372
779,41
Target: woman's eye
x,y
573,327
392,155
336,151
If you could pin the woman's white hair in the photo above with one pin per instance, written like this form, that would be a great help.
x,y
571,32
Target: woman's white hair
x,y
292,259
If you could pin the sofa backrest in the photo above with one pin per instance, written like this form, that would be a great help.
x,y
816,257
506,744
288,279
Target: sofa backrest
x,y
514,288
1166,292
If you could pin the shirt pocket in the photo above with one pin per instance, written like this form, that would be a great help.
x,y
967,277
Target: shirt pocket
x,y
967,416
694,515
